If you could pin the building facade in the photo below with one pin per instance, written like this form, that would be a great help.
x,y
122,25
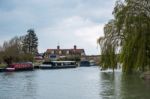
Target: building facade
x,y
58,53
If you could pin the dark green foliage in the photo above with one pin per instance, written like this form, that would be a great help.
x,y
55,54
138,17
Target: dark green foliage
x,y
8,59
1,58
27,57
30,42
134,54
108,45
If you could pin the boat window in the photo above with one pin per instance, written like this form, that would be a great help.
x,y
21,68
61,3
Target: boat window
x,y
46,63
60,52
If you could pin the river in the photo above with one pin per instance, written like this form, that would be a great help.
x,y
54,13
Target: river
x,y
75,83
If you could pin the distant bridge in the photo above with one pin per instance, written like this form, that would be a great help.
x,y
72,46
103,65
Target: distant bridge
x,y
95,58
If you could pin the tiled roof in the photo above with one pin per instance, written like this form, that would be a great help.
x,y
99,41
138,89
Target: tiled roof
x,y
73,50
65,49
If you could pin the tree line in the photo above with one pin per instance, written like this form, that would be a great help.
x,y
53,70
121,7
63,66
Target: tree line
x,y
19,48
127,36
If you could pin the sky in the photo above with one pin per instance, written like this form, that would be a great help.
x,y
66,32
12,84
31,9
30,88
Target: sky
x,y
57,22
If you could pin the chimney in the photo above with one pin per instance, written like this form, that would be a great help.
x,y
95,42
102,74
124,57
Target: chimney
x,y
58,47
75,47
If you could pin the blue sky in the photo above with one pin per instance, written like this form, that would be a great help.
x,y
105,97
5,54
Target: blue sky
x,y
63,22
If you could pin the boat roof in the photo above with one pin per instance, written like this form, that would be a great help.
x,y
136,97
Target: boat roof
x,y
63,61
23,63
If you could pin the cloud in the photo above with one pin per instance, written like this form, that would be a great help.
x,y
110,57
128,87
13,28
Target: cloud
x,y
66,22
72,31
90,34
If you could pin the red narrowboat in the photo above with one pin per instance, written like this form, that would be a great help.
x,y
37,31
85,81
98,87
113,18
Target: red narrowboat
x,y
20,66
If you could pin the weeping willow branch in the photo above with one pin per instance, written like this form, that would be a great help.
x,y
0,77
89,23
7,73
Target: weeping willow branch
x,y
130,30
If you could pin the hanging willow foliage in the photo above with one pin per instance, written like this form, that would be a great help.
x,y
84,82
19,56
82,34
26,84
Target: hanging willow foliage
x,y
130,30
109,45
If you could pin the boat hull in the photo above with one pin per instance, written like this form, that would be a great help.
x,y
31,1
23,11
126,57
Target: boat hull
x,y
20,67
85,64
59,65
2,69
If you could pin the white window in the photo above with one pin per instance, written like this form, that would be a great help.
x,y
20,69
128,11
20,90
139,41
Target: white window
x,y
60,52
52,52
82,53
67,52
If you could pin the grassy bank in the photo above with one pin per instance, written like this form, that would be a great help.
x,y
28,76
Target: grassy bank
x,y
3,65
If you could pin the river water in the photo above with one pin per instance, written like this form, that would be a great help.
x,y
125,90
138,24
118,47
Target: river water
x,y
76,83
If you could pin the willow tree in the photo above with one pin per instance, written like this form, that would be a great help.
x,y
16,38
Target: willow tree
x,y
132,29
109,45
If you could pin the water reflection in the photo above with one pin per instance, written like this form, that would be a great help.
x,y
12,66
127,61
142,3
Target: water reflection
x,y
78,83
132,87
110,84
119,86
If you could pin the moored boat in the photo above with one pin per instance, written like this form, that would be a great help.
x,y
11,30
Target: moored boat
x,y
20,66
58,64
85,63
10,69
46,65
2,69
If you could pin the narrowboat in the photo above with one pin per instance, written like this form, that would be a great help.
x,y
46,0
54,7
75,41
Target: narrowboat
x,y
46,65
58,64
84,63
20,66
2,69
92,63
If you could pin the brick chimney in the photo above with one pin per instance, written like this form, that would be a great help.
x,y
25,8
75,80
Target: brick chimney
x,y
75,47
58,47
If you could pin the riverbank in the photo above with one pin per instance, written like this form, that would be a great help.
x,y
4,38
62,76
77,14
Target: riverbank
x,y
3,65
146,75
